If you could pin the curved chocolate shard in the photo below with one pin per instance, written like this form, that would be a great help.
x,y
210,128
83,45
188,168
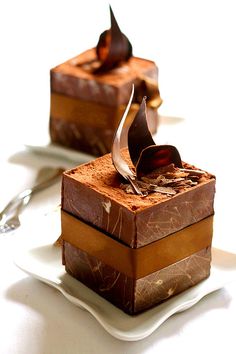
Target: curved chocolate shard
x,y
113,47
119,163
154,157
139,136
144,153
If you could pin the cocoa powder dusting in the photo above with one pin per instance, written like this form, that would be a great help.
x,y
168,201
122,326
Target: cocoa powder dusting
x,y
100,176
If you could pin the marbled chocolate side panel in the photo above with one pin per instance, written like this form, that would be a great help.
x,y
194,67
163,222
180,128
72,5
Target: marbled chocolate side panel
x,y
107,215
92,140
83,88
92,133
172,280
105,280
134,296
138,229
74,78
175,214
88,126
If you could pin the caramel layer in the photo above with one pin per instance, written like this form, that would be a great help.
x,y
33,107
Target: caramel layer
x,y
91,113
137,263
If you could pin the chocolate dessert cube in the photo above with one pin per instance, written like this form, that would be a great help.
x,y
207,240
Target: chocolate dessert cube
x,y
89,93
135,251
86,107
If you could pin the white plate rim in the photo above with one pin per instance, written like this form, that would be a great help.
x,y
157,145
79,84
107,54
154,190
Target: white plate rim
x,y
143,326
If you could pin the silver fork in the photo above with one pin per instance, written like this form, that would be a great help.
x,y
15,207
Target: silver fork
x,y
13,222
9,217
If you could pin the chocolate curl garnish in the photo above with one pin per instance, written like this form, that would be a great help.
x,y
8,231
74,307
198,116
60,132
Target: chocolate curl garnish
x,y
154,157
145,155
139,136
113,47
119,163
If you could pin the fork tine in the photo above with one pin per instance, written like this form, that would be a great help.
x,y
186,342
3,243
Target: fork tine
x,y
13,222
10,225
3,229
51,175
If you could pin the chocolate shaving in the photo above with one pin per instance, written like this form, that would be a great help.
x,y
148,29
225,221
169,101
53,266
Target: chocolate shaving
x,y
179,174
165,190
194,178
157,180
156,188
113,47
193,172
162,170
127,188
162,183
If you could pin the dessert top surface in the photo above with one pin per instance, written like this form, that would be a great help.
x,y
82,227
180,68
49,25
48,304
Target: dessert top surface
x,y
101,176
82,67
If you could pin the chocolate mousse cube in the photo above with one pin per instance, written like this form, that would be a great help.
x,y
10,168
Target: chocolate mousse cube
x,y
135,251
86,107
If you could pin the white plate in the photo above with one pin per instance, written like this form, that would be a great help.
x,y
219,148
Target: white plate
x,y
44,263
61,152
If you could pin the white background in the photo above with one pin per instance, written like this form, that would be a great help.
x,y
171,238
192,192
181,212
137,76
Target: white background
x,y
193,44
